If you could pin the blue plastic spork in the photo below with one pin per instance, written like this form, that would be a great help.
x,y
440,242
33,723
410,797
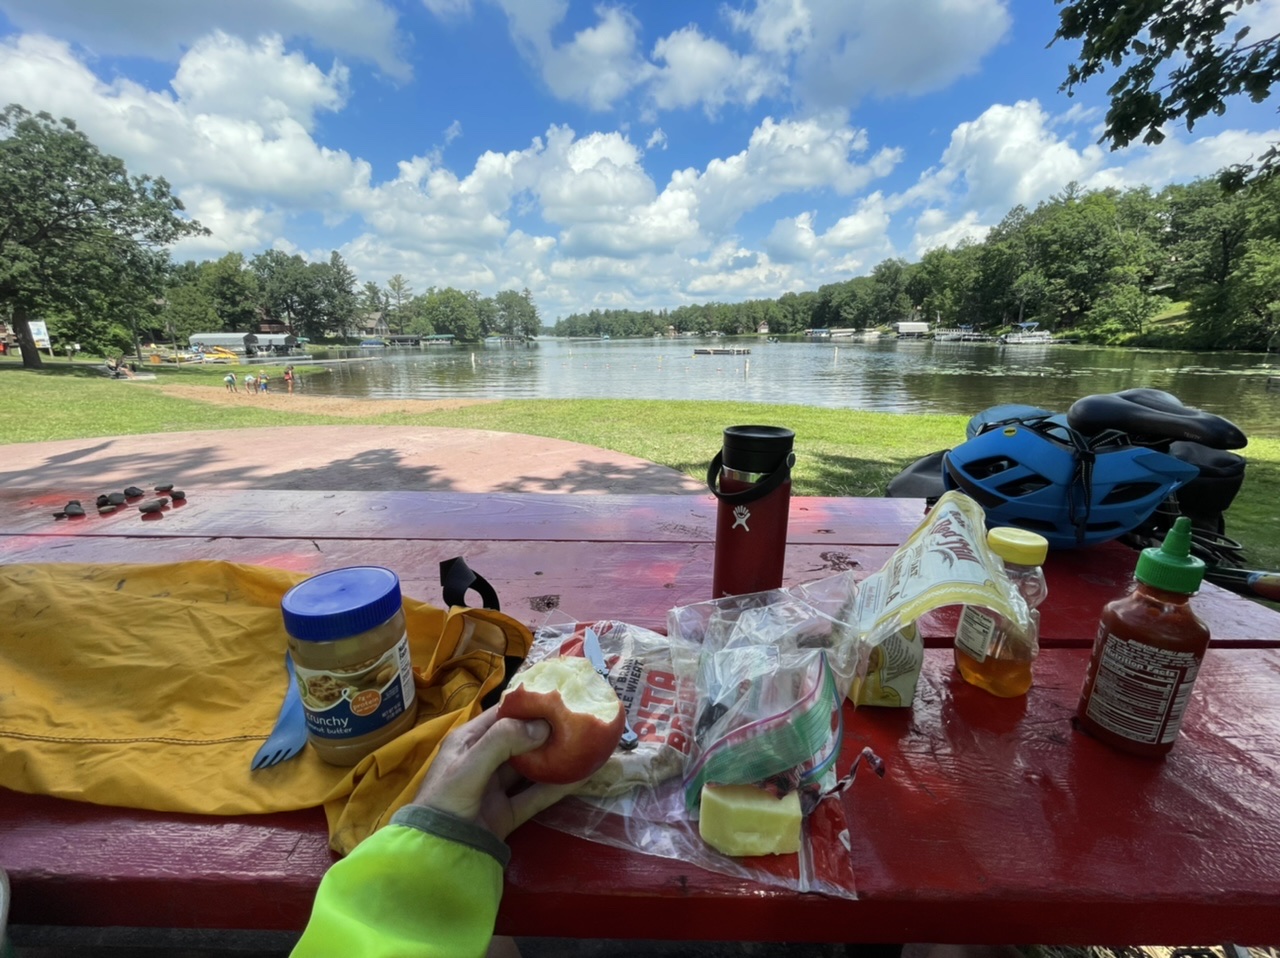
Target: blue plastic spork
x,y
290,734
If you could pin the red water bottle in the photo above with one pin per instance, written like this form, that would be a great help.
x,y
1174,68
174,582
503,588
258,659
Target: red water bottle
x,y
751,478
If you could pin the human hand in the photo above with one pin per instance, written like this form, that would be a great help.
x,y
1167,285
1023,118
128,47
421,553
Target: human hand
x,y
470,777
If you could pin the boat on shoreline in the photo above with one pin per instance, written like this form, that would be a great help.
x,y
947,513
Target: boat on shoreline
x,y
961,334
1030,336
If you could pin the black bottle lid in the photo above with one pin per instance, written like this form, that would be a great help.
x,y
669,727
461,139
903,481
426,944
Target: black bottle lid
x,y
758,449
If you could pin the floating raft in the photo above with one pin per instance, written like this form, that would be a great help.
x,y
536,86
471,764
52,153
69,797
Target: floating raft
x,y
722,351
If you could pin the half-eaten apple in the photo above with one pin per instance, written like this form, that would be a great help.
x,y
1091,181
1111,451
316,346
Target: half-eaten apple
x,y
585,715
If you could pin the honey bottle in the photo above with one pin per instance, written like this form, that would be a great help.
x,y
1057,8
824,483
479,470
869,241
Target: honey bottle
x,y
1148,652
991,652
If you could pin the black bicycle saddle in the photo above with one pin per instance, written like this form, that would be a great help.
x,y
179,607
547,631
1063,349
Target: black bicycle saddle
x,y
1153,417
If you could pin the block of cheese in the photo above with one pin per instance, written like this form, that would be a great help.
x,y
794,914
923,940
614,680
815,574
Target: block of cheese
x,y
745,820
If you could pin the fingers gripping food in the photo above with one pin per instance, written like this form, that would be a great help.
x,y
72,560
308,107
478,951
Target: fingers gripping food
x,y
584,712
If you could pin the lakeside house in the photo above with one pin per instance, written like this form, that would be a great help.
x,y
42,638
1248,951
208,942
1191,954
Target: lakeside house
x,y
374,325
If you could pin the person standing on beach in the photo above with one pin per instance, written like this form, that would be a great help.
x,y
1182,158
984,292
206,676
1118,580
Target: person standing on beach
x,y
230,380
288,379
250,383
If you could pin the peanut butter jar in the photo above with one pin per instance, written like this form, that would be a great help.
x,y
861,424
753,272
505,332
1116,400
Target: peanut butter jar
x,y
351,652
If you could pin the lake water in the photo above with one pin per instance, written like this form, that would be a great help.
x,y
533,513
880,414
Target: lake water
x,y
907,376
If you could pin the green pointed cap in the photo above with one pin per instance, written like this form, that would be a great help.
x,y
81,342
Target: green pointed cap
x,y
1172,567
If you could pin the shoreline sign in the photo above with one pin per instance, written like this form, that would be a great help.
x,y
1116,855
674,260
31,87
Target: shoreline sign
x,y
39,333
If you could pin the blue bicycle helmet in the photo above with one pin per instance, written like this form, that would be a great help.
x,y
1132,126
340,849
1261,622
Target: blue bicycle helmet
x,y
1039,474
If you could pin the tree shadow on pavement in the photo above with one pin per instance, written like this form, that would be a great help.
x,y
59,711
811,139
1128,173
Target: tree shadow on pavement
x,y
212,464
599,477
92,469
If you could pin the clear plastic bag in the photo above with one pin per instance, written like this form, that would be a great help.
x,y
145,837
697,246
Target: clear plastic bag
x,y
770,670
765,675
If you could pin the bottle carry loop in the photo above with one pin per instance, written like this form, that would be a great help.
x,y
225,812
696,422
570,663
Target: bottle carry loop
x,y
758,491
456,579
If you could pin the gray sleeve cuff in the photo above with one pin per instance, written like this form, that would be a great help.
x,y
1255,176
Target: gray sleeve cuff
x,y
450,827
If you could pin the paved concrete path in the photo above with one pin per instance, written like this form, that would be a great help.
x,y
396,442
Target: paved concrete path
x,y
336,457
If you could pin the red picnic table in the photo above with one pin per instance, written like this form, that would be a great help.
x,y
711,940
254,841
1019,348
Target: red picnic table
x,y
995,821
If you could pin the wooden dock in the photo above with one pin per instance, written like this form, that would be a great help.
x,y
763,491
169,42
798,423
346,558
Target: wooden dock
x,y
722,351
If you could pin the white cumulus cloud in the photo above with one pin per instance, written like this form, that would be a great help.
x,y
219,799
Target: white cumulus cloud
x,y
776,26
697,70
793,240
842,52
244,229
858,237
1018,154
787,156
598,66
258,81
936,228
1010,155
261,152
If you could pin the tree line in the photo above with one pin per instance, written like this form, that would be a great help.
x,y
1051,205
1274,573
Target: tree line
x,y
324,300
84,247
1095,264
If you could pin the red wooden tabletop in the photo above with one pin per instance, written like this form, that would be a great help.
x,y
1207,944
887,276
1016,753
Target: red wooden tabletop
x,y
995,821
624,557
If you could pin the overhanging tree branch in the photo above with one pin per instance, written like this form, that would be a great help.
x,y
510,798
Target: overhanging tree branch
x,y
1179,60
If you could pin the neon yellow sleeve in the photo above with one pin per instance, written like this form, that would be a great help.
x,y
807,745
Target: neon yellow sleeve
x,y
428,884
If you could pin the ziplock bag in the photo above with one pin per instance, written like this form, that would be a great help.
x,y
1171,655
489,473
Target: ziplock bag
x,y
791,639
770,670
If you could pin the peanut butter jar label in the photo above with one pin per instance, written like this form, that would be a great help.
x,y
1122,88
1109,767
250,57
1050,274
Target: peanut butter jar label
x,y
359,699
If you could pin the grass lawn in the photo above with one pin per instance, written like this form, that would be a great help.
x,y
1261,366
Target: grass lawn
x,y
76,401
838,453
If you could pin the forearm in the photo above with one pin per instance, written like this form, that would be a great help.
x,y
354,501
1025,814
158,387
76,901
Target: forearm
x,y
428,884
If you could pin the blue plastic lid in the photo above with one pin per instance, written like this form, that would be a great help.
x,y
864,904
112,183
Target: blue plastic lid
x,y
341,603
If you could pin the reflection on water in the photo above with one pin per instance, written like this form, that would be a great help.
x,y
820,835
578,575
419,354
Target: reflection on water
x,y
887,374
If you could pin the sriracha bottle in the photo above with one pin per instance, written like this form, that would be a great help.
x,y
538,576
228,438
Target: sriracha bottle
x,y
1148,652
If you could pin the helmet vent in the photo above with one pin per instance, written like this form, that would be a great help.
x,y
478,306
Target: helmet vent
x,y
989,466
1024,486
1131,492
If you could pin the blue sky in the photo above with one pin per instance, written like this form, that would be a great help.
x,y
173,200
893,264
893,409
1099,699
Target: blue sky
x,y
604,155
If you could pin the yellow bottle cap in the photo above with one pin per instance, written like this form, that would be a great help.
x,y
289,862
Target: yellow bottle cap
x,y
1018,545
